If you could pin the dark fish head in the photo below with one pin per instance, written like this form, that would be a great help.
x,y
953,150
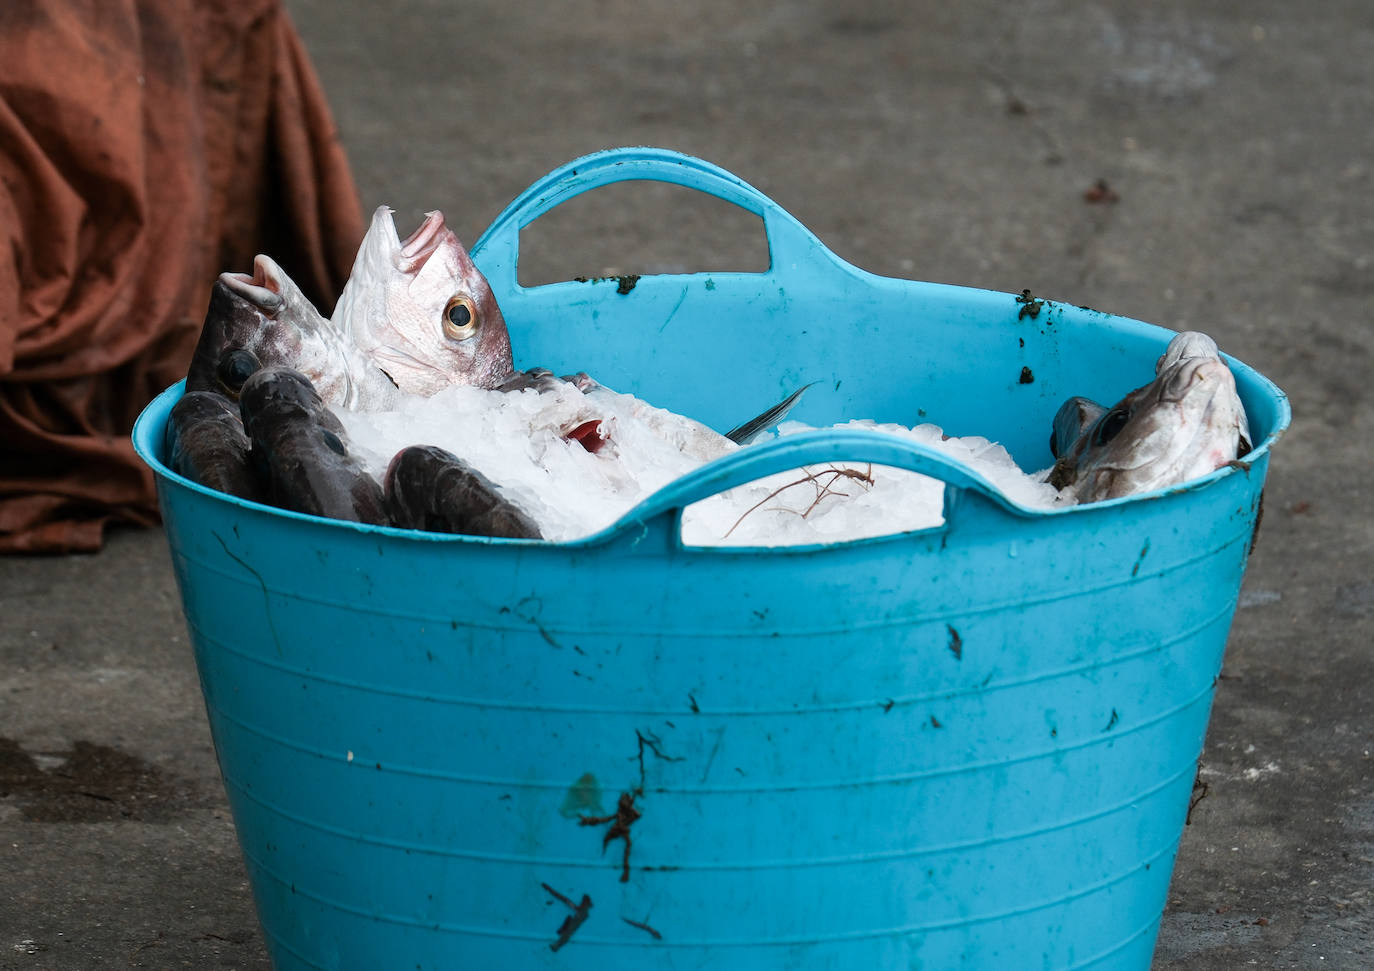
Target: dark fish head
x,y
277,393
263,314
300,453
431,489
1185,423
422,311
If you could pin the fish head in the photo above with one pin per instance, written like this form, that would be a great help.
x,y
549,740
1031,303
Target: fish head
x,y
1185,423
254,319
276,294
279,391
422,311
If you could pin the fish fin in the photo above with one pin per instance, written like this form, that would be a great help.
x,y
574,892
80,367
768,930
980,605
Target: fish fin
x,y
1074,417
741,434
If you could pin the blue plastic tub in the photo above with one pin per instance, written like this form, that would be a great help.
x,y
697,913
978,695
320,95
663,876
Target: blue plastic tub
x,y
965,747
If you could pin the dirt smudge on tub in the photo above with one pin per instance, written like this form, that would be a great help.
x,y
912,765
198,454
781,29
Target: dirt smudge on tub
x,y
625,282
1030,305
580,912
89,783
650,741
1026,376
266,594
584,796
643,927
621,820
1135,570
626,812
956,643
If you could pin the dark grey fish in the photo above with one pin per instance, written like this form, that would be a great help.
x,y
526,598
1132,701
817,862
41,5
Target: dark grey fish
x,y
300,452
232,323
743,434
431,489
266,315
206,443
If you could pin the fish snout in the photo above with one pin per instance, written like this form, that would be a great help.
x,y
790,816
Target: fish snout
x,y
253,290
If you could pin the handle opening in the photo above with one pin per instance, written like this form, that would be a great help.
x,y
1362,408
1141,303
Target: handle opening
x,y
601,236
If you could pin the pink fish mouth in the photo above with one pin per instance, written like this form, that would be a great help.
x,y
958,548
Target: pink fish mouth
x,y
263,288
421,244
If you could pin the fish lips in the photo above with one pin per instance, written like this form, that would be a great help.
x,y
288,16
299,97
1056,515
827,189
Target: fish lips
x,y
255,291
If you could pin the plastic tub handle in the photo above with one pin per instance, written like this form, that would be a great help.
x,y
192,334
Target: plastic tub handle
x,y
968,496
497,252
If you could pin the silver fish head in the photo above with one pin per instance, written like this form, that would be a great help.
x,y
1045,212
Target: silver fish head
x,y
1185,423
422,311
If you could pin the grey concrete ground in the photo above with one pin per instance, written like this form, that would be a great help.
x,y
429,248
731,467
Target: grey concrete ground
x,y
942,141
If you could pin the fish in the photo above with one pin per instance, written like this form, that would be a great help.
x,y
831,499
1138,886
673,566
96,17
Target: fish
x,y
1187,422
538,379
266,315
206,443
744,433
431,489
299,450
421,310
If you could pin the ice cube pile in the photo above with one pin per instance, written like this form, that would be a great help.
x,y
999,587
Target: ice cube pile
x,y
519,440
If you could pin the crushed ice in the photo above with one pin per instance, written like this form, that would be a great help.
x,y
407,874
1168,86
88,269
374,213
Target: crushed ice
x,y
518,440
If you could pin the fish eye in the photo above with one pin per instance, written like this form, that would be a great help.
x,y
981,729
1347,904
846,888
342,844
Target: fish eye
x,y
235,367
333,442
1110,426
460,318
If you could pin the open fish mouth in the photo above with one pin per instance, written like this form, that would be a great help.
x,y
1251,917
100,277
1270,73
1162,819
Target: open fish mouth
x,y
1195,376
421,244
263,288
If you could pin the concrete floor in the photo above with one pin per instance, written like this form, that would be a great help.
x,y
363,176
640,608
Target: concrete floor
x,y
939,141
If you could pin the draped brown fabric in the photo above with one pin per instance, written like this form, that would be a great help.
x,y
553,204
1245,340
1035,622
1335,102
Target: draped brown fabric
x,y
145,146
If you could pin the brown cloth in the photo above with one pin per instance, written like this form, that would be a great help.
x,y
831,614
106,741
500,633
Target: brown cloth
x,y
145,146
